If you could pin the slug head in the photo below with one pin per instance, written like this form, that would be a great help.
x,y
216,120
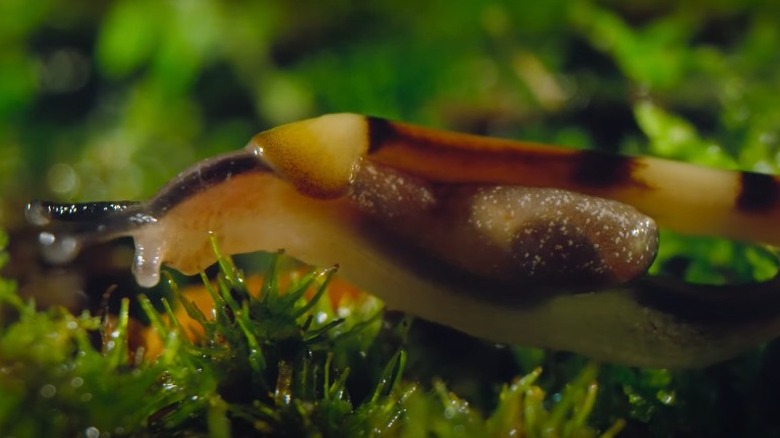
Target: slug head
x,y
70,227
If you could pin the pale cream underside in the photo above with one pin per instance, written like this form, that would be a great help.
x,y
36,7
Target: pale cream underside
x,y
701,201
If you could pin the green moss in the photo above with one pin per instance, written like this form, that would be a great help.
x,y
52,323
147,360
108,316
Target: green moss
x,y
124,96
274,363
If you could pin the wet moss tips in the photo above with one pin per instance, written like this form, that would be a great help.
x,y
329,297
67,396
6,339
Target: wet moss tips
x,y
273,358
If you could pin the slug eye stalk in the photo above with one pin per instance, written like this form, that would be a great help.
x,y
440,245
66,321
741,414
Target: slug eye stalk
x,y
508,241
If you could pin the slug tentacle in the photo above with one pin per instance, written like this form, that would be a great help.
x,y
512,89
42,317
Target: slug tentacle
x,y
41,213
71,226
504,240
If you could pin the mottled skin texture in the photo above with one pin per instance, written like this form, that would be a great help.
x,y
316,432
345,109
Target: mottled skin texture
x,y
445,226
536,238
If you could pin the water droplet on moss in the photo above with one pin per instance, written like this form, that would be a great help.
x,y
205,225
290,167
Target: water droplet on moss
x,y
92,432
58,249
48,391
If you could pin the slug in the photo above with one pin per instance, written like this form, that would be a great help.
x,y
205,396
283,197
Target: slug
x,y
508,241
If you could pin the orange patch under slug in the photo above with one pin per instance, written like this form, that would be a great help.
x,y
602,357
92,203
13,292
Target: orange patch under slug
x,y
340,294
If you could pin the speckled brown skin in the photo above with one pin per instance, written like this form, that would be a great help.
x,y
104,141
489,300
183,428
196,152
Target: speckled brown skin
x,y
535,239
445,226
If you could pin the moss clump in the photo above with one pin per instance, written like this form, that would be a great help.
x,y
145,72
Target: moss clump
x,y
264,362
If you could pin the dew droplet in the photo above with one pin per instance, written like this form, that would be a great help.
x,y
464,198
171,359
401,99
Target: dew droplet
x,y
62,178
48,391
37,214
58,249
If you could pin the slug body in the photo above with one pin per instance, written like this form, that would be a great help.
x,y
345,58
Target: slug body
x,y
508,241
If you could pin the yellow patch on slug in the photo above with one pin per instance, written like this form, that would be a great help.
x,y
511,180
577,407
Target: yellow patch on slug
x,y
319,156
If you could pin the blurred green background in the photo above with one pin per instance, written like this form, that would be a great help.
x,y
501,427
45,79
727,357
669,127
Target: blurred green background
x,y
110,99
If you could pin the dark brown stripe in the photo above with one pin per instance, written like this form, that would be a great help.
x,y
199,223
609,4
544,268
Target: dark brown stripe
x,y
721,305
758,192
598,169
202,176
380,131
